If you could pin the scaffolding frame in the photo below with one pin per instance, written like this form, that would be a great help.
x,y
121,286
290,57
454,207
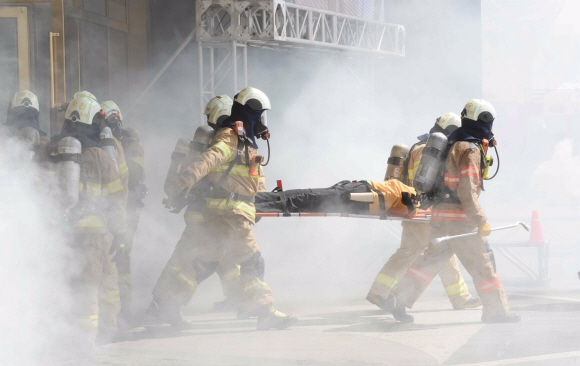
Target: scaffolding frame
x,y
233,26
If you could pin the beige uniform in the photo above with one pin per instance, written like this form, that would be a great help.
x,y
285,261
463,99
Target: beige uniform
x,y
463,176
101,216
414,240
219,238
132,172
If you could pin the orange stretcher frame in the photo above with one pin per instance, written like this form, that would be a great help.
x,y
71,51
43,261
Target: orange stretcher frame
x,y
421,216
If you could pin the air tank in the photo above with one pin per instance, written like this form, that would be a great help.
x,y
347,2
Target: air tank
x,y
432,158
201,140
177,159
396,161
68,170
31,139
108,144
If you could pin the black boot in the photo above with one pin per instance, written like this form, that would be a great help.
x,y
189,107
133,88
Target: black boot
x,y
400,313
387,304
507,318
167,310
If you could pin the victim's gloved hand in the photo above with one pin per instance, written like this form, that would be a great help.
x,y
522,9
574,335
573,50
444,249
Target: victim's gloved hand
x,y
484,229
118,246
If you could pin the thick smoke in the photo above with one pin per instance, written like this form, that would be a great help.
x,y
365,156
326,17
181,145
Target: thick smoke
x,y
34,262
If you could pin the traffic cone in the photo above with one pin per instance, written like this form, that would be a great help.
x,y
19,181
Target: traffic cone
x,y
536,235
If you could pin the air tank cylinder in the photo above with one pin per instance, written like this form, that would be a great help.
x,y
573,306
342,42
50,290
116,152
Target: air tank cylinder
x,y
432,158
201,140
177,161
396,161
31,139
68,170
108,144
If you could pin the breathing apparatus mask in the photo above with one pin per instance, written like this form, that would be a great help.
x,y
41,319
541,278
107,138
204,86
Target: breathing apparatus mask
x,y
476,125
114,122
261,130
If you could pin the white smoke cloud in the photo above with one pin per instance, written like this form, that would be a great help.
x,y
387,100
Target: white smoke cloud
x,y
34,265
559,176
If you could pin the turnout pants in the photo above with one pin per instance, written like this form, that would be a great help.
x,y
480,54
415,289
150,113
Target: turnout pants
x,y
96,301
124,261
221,244
414,240
473,254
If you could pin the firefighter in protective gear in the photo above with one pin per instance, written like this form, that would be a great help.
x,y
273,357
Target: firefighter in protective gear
x,y
98,223
415,239
229,211
131,160
458,211
24,112
188,265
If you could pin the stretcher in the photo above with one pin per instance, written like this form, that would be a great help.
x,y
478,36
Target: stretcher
x,y
421,216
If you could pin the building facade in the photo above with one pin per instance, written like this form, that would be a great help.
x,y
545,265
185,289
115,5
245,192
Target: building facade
x,y
55,48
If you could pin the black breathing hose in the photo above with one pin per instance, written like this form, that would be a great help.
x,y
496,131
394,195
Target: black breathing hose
x,y
497,170
267,161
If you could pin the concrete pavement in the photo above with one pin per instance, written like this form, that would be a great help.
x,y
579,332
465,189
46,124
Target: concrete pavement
x,y
350,331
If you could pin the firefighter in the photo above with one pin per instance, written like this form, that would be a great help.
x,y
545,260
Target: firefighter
x,y
97,221
188,266
22,119
415,239
457,211
131,164
230,166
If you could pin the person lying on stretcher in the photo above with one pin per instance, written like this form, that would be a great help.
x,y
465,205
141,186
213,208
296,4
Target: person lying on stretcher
x,y
390,197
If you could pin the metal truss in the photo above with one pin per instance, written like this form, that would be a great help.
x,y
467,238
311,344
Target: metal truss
x,y
278,24
225,28
223,66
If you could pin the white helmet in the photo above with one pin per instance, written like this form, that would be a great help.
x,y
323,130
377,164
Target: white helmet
x,y
479,110
253,98
110,108
25,98
447,120
218,109
84,93
83,110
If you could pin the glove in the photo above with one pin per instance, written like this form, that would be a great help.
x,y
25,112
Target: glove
x,y
118,246
484,229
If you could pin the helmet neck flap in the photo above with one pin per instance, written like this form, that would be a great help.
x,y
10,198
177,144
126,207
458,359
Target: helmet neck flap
x,y
20,117
471,130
